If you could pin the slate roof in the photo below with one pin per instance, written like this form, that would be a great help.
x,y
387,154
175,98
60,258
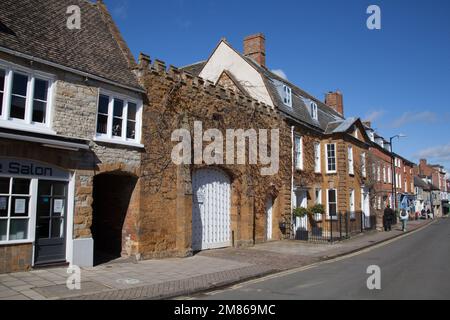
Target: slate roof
x,y
39,28
418,182
299,111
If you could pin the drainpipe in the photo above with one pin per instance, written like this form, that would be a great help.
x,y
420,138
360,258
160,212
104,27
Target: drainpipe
x,y
292,181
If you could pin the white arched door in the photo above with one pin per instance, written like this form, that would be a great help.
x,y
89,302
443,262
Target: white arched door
x,y
211,222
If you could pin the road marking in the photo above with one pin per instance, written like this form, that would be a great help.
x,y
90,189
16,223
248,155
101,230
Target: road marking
x,y
315,265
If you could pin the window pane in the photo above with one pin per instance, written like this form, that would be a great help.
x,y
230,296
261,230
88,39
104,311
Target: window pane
x,y
58,207
117,127
102,124
118,108
43,229
2,80
4,185
59,189
18,229
21,186
131,111
19,207
131,130
331,196
2,88
103,104
40,89
57,228
3,229
4,206
43,207
20,84
332,209
45,188
39,111
17,107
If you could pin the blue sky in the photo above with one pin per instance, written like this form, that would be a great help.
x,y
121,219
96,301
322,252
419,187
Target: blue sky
x,y
398,77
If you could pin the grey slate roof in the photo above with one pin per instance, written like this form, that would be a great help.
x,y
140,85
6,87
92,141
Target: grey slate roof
x,y
299,111
39,28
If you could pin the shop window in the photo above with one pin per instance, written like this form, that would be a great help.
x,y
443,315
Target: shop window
x,y
14,209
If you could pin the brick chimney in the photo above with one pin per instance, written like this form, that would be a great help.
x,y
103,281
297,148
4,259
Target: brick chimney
x,y
255,48
335,100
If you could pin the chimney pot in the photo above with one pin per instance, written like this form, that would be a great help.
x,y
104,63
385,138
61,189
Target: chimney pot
x,y
335,100
255,48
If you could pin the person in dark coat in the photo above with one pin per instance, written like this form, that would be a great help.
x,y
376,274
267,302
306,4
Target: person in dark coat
x,y
387,218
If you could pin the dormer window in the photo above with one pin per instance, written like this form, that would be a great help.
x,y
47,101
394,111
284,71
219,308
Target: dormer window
x,y
314,113
287,99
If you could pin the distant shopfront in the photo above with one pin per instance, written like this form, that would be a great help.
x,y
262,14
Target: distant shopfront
x,y
36,210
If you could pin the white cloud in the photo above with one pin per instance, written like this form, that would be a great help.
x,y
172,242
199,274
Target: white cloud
x,y
438,153
424,117
374,115
280,73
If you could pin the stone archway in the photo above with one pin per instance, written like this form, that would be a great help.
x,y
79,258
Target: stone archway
x,y
112,197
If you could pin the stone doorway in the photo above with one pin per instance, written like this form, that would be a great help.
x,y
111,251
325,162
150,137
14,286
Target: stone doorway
x,y
112,196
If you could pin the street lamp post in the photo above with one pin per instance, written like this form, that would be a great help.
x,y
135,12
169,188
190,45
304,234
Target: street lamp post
x,y
394,174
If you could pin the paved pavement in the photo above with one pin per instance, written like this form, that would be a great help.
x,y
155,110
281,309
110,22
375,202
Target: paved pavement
x,y
414,267
157,279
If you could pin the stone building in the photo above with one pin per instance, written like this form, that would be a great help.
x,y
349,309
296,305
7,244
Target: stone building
x,y
199,204
70,136
328,150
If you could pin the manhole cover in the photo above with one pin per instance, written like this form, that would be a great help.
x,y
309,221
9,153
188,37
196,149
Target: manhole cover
x,y
128,281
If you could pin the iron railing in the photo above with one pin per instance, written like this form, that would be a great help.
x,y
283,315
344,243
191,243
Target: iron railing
x,y
323,228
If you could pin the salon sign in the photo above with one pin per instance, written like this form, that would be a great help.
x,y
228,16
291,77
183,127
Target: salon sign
x,y
31,169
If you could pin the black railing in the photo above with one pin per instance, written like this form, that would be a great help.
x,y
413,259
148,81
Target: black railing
x,y
321,228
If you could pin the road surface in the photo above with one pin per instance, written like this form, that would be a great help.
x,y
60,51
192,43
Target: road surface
x,y
416,266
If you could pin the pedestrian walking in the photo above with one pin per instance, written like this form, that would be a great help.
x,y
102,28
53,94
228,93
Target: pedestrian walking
x,y
387,219
429,214
404,219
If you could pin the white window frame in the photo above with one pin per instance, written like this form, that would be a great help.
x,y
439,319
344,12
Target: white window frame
x,y
384,175
31,208
379,173
27,123
318,200
363,165
351,163
314,110
298,151
328,158
389,174
317,157
328,204
352,204
287,96
108,137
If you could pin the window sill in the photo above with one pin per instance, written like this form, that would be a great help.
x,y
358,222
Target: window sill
x,y
118,142
12,243
33,128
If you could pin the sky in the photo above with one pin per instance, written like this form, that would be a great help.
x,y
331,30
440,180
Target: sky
x,y
398,77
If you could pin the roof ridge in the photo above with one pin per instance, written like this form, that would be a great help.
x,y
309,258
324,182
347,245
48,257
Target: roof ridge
x,y
115,33
177,74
